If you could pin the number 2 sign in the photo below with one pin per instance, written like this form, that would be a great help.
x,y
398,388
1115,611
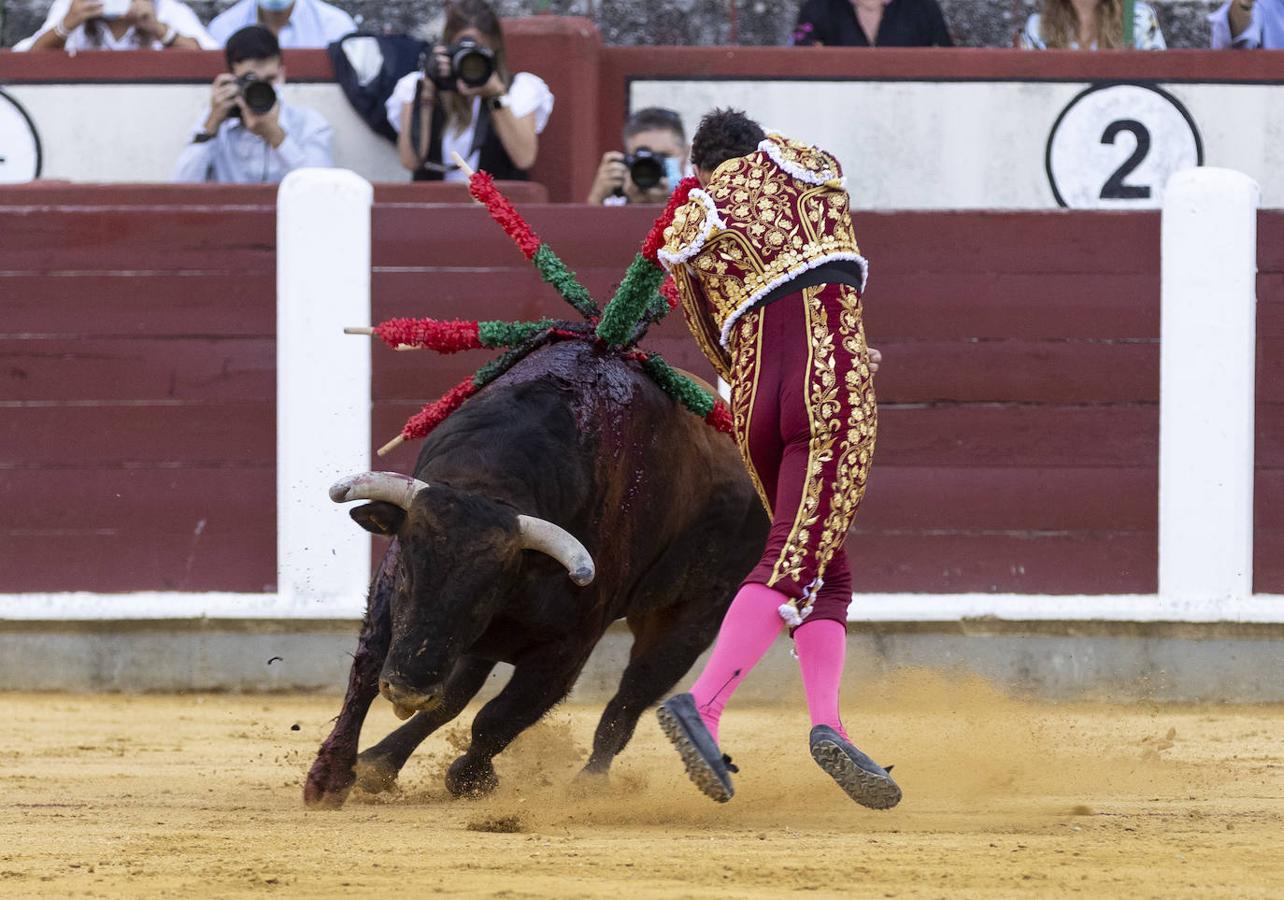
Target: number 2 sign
x,y
1115,145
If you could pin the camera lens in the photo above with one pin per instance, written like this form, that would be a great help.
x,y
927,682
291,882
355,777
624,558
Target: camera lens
x,y
259,96
474,69
646,169
472,63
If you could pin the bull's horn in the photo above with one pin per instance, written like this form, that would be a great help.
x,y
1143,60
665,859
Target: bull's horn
x,y
391,487
544,536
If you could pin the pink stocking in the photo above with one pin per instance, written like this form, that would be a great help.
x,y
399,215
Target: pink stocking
x,y
748,629
822,645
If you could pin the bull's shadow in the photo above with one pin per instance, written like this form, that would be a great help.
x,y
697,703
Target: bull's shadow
x,y
572,443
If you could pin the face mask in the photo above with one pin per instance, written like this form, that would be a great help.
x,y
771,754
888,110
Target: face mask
x,y
673,171
275,5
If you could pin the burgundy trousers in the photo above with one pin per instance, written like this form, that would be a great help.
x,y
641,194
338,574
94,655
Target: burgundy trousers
x,y
802,400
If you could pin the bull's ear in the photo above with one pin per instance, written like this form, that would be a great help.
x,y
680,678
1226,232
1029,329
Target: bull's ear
x,y
379,517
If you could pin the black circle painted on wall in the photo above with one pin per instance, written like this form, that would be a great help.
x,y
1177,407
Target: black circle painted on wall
x,y
31,126
1104,86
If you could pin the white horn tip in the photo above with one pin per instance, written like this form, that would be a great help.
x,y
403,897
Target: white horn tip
x,y
583,575
339,490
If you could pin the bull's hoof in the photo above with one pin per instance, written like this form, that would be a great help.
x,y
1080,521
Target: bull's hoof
x,y
466,778
594,774
588,782
327,785
375,774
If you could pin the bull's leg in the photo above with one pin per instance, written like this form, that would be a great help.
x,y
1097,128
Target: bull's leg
x,y
537,685
331,775
666,645
377,767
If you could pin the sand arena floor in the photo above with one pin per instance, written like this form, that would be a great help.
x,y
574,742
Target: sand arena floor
x,y
122,796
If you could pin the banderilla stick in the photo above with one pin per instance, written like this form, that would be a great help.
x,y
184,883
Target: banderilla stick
x,y
399,440
462,164
391,445
362,329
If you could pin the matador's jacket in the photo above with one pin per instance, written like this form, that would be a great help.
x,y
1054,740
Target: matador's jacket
x,y
766,263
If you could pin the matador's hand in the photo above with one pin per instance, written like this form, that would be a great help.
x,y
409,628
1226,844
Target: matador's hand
x,y
875,359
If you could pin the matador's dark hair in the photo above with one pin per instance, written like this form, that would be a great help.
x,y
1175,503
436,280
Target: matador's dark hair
x,y
724,134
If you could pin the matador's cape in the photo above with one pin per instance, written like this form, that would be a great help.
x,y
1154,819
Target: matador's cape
x,y
766,225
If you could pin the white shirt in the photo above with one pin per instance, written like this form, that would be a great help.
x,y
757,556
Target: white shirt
x,y
176,15
527,94
312,23
237,155
1146,34
1265,29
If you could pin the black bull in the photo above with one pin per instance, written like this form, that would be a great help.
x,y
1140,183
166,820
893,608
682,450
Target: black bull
x,y
588,442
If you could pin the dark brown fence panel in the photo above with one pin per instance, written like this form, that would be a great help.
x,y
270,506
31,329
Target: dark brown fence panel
x,y
1268,549
137,413
1018,440
1018,430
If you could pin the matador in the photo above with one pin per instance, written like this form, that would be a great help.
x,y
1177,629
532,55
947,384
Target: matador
x,y
770,276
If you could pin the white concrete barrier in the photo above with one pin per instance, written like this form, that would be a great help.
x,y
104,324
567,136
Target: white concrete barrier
x,y
1208,341
323,388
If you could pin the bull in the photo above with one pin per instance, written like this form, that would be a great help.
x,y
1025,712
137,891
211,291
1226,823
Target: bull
x,y
569,494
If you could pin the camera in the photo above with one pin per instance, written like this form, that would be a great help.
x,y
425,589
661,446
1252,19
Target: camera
x,y
115,9
259,95
646,168
470,63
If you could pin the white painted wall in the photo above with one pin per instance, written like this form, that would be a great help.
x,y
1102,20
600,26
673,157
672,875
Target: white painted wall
x,y
974,145
1263,608
134,132
906,145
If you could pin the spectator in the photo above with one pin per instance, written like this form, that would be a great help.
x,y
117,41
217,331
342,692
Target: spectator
x,y
1090,24
233,144
495,126
871,23
656,131
1249,25
296,23
75,25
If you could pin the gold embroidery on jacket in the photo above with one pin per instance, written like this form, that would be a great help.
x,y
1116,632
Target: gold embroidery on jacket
x,y
824,413
747,350
697,315
857,447
773,227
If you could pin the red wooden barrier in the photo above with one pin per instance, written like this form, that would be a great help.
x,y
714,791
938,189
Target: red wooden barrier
x,y
1018,442
1268,547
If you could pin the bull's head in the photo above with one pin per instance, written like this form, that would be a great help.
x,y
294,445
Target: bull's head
x,y
460,558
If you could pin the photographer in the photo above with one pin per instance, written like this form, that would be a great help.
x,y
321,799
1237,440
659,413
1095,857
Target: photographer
x,y
75,25
653,162
469,104
249,135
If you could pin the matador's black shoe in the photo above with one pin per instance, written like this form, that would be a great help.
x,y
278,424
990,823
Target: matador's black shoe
x,y
864,780
705,763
